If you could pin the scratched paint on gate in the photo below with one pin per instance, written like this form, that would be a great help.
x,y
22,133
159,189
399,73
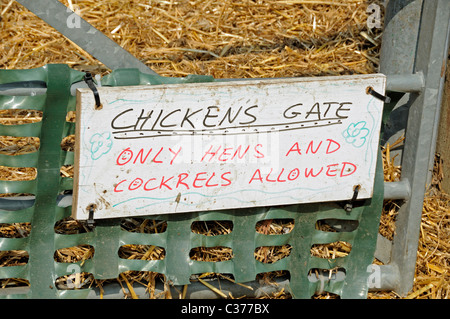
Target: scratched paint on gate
x,y
193,147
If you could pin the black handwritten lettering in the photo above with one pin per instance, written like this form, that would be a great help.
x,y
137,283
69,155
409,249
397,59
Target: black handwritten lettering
x,y
221,120
143,118
340,109
246,112
165,117
293,113
187,116
207,115
228,114
115,127
315,106
328,108
156,121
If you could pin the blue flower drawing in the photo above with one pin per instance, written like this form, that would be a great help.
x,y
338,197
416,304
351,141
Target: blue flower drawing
x,y
100,144
356,134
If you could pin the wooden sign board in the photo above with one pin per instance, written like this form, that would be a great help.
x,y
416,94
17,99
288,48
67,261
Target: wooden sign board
x,y
195,147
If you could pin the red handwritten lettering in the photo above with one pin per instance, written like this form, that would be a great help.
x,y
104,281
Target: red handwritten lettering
x,y
293,174
212,154
149,189
163,183
310,148
331,171
267,177
337,146
259,178
260,155
124,157
348,169
228,182
140,154
230,153
238,152
119,190
197,178
209,179
279,180
174,154
332,147
224,153
295,148
135,184
154,158
311,172
181,178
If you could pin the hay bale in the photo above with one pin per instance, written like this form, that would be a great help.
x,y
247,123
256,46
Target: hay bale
x,y
219,38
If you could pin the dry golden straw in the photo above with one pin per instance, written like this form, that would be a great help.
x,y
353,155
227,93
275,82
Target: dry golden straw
x,y
225,39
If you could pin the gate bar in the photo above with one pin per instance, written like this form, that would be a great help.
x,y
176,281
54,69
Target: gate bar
x,y
422,48
394,83
388,278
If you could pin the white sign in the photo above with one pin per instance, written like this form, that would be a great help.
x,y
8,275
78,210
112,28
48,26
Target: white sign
x,y
209,146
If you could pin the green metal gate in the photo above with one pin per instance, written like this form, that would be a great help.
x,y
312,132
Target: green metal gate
x,y
107,236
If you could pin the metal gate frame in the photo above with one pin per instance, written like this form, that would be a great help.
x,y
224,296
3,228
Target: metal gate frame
x,y
415,43
413,56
